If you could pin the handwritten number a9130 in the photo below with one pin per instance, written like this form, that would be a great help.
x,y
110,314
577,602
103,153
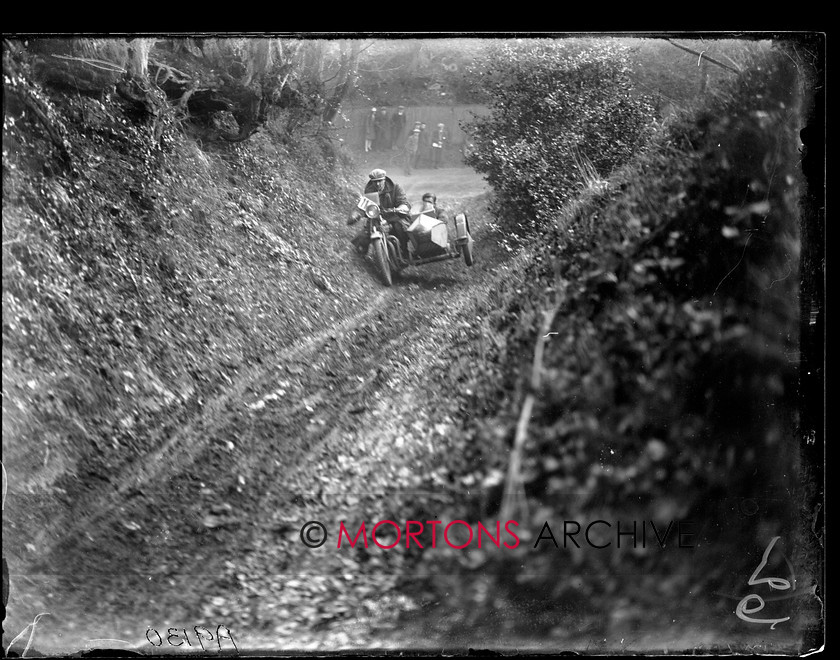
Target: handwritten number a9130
x,y
742,610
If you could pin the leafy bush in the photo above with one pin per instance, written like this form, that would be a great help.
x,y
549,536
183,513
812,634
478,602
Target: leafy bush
x,y
555,108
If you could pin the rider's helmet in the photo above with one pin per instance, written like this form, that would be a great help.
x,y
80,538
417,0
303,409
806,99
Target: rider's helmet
x,y
377,175
430,197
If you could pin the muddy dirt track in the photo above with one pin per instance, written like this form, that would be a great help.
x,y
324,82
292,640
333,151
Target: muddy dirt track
x,y
341,426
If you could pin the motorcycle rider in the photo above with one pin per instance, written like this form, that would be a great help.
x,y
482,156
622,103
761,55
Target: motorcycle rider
x,y
394,206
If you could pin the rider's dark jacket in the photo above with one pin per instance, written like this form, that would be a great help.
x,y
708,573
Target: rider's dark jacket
x,y
391,197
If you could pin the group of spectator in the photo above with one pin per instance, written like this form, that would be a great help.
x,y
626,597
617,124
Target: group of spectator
x,y
424,148
382,132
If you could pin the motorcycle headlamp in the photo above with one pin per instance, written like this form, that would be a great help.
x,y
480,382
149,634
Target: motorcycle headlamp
x,y
372,211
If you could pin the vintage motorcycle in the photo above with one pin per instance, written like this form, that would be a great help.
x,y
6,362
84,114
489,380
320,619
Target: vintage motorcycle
x,y
428,238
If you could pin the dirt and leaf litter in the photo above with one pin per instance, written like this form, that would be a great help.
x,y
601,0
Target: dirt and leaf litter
x,y
368,472
355,474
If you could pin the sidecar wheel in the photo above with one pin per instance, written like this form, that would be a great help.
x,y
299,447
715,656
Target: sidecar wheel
x,y
380,261
466,248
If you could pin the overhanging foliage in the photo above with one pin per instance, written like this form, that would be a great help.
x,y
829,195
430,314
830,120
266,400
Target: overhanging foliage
x,y
556,109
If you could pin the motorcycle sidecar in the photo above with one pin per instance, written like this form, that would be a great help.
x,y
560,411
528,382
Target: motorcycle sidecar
x,y
431,242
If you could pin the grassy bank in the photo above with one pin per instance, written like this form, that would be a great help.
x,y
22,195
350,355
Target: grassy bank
x,y
144,278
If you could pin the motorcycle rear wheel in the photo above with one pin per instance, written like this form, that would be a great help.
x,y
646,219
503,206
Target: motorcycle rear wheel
x,y
380,262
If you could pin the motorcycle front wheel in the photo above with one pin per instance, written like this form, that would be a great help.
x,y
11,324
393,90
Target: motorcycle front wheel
x,y
380,261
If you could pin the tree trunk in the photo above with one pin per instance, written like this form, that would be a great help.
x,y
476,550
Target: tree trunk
x,y
347,79
312,62
137,65
135,86
259,61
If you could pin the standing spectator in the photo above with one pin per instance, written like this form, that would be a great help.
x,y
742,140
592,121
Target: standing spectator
x,y
438,140
422,147
397,127
411,149
380,142
332,109
370,129
419,139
